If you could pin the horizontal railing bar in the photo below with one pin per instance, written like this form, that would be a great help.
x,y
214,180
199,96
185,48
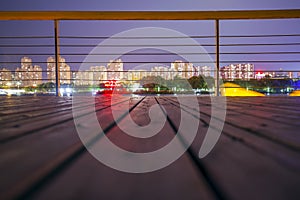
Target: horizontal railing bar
x,y
29,54
144,37
26,37
133,37
96,80
94,45
261,44
105,62
250,36
168,62
155,54
150,15
166,37
145,70
26,45
154,45
100,80
212,70
148,54
271,52
261,61
135,80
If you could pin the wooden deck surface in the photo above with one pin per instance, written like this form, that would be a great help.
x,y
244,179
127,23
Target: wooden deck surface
x,y
256,157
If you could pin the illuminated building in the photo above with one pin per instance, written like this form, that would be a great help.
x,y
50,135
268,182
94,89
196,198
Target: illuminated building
x,y
64,69
5,77
136,74
115,70
260,75
181,69
283,74
94,76
83,78
28,75
203,71
161,71
270,74
36,75
177,68
99,73
237,71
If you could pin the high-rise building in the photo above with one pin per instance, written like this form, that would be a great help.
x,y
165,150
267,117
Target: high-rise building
x,y
64,70
115,70
270,74
83,78
161,71
143,73
203,71
22,73
74,76
237,71
36,75
189,70
28,75
98,74
26,63
5,77
182,69
283,74
136,74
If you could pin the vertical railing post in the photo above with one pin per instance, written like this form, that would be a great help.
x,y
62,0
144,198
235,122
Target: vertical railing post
x,y
217,75
57,69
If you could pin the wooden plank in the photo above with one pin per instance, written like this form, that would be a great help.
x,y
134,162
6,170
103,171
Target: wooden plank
x,y
285,156
15,102
280,153
281,104
149,15
282,133
246,174
287,117
96,181
52,163
243,172
27,126
40,154
41,110
27,111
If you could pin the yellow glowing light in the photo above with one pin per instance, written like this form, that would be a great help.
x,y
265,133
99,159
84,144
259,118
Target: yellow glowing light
x,y
231,89
295,93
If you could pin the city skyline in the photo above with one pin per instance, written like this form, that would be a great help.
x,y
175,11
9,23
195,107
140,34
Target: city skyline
x,y
30,74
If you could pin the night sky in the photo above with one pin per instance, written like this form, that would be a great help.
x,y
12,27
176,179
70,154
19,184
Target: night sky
x,y
191,28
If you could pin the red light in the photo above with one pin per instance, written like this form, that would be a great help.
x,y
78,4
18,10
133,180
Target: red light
x,y
110,84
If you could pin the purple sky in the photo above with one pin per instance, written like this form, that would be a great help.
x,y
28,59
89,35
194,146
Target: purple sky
x,y
108,28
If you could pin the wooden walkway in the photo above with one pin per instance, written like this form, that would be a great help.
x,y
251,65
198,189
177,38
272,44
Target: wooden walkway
x,y
256,157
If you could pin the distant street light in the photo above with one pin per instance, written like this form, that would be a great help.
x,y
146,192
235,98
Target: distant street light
x,y
18,84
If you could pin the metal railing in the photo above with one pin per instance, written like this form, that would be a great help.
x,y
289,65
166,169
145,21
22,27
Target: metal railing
x,y
216,16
